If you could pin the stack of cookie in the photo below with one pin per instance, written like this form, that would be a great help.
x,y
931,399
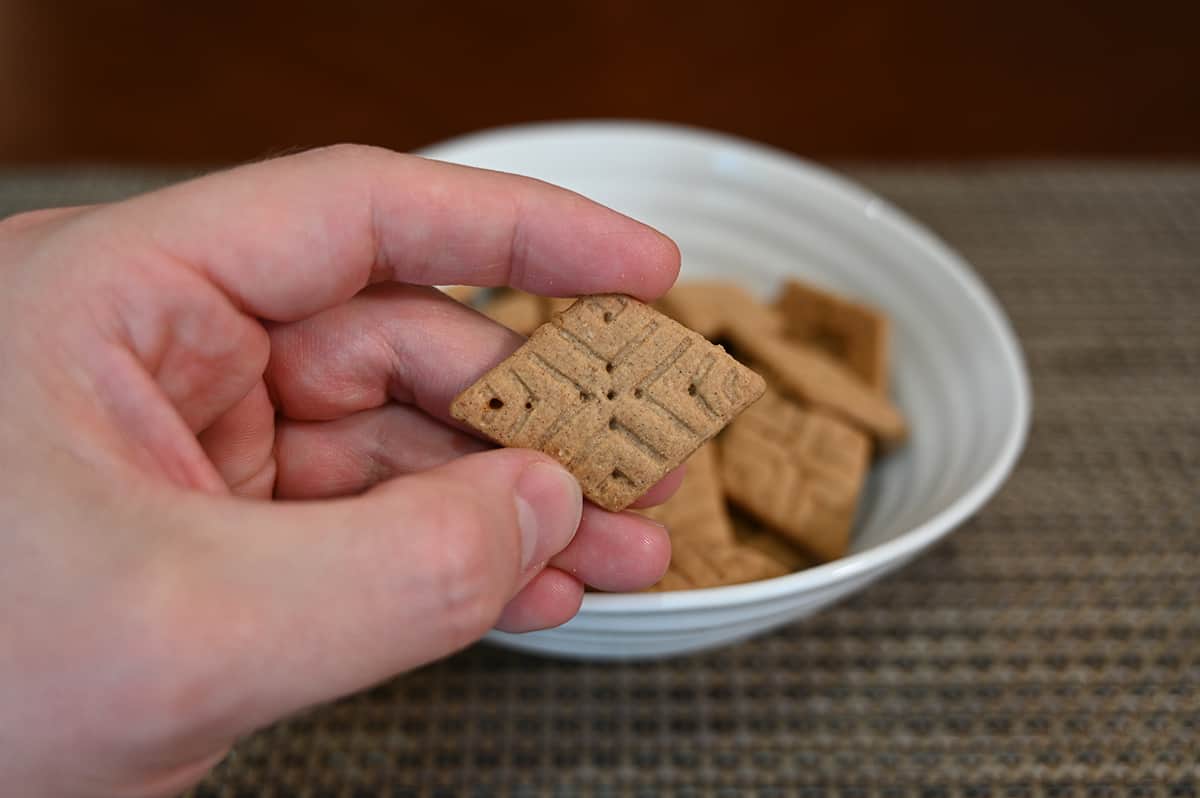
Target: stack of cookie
x,y
791,468
778,489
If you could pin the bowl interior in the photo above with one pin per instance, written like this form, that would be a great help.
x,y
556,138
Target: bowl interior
x,y
743,212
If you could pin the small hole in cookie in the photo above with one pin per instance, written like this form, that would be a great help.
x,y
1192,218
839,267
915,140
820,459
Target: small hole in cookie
x,y
608,367
618,474
607,316
529,405
611,394
692,389
584,395
637,393
495,403
612,423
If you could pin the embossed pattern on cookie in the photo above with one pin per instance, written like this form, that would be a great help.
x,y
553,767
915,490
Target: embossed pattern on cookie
x,y
615,391
798,470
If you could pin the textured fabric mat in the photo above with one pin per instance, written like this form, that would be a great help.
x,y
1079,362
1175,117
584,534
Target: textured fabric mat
x,y
1050,647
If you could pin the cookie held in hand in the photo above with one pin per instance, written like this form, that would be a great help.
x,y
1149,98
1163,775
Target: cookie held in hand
x,y
615,391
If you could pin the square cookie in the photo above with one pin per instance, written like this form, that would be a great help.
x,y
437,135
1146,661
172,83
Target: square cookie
x,y
815,378
798,470
615,391
848,331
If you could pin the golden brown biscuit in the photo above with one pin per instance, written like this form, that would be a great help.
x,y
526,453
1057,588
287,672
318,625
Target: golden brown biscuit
x,y
671,580
783,553
816,379
798,470
615,391
751,533
710,307
697,564
697,510
848,331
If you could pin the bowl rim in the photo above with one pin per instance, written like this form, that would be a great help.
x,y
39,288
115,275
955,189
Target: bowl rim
x,y
953,267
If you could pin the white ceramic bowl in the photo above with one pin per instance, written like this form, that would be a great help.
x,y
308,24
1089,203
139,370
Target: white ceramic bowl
x,y
742,211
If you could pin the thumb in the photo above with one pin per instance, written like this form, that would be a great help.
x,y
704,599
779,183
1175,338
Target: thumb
x,y
330,597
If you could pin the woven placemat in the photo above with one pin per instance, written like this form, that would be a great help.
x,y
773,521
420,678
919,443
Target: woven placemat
x,y
1051,647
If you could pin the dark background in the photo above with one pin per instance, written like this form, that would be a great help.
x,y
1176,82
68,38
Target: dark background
x,y
200,83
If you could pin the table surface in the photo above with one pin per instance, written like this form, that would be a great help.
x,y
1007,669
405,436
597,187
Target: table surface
x,y
1050,647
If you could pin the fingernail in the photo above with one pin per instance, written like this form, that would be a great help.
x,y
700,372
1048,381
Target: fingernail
x,y
549,505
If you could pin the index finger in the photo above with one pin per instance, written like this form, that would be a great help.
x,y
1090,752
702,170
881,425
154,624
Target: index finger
x,y
289,237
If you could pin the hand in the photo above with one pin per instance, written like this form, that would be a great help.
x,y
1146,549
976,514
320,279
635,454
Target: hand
x,y
172,362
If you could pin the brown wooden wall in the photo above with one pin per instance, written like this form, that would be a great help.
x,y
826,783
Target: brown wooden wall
x,y
208,82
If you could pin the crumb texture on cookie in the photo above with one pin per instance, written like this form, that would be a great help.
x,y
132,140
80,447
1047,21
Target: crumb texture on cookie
x,y
616,391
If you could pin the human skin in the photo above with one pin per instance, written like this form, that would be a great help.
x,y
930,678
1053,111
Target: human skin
x,y
231,488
